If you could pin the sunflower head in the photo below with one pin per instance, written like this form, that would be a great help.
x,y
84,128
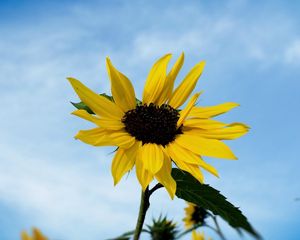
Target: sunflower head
x,y
36,235
152,123
194,215
162,229
156,132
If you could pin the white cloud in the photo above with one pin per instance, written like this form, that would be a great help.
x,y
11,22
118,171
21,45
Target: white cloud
x,y
292,53
57,196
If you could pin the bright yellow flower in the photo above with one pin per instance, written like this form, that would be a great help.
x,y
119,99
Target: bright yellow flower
x,y
153,134
194,215
198,236
36,235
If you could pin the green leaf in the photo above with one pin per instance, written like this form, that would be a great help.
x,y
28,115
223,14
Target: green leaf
x,y
191,190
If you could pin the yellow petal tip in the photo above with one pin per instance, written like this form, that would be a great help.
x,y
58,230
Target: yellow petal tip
x,y
75,112
202,64
181,57
71,79
77,135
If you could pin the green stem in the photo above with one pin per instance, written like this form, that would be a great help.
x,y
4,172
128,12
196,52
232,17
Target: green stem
x,y
144,205
218,229
188,231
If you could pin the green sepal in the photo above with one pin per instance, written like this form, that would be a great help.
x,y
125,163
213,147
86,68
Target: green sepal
x,y
162,229
82,105
191,190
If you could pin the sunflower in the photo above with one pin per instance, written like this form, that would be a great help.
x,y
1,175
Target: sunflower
x,y
194,215
155,132
36,235
198,236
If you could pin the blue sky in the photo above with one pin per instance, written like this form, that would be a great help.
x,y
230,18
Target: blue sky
x,y
64,187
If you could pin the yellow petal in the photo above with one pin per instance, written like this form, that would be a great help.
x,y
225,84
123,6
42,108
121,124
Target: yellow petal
x,y
203,123
156,81
194,235
152,157
165,178
121,88
85,115
185,112
186,87
197,236
172,76
122,139
99,104
212,111
231,131
95,137
37,235
205,147
111,124
123,162
182,164
208,167
143,175
185,154
25,236
194,170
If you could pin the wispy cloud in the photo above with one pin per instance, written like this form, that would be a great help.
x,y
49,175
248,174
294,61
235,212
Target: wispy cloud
x,y
58,196
292,53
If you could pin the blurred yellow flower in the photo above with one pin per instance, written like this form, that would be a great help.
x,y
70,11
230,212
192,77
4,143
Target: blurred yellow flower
x,y
194,215
36,235
198,236
155,132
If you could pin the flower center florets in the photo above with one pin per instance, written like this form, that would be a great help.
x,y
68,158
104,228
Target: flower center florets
x,y
199,215
152,123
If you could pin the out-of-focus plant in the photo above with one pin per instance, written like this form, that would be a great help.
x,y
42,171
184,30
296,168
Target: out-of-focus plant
x,y
162,229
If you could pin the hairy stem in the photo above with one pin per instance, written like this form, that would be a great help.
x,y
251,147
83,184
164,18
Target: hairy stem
x,y
144,205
